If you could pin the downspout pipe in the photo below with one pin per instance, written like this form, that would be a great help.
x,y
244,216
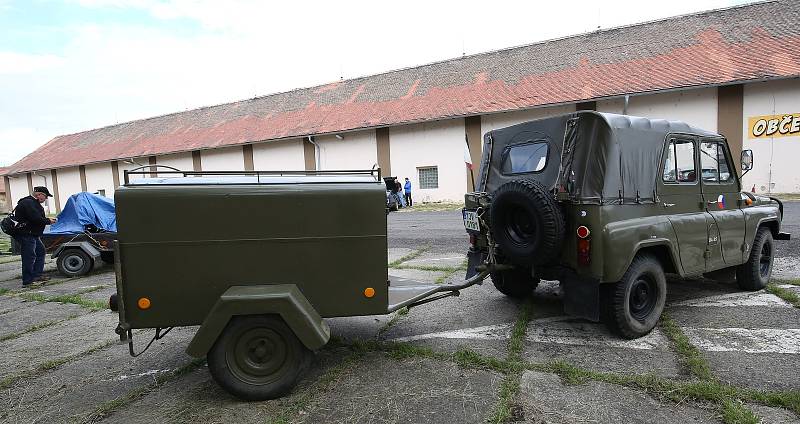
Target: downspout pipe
x,y
317,153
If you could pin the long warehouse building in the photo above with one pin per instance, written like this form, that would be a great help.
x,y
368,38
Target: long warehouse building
x,y
734,71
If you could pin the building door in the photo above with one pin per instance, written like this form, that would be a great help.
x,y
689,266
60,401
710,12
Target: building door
x,y
721,194
682,201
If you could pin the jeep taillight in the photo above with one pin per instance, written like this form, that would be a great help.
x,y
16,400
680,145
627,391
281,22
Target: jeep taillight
x,y
584,245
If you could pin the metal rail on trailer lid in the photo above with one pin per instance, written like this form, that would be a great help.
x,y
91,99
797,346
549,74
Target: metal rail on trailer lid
x,y
152,169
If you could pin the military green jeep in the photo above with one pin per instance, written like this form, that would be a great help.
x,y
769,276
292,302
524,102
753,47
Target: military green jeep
x,y
607,204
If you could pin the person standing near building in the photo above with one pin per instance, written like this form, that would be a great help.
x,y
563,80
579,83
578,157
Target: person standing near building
x,y
29,211
408,192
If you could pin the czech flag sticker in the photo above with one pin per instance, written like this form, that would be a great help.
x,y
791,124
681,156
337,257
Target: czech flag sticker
x,y
721,201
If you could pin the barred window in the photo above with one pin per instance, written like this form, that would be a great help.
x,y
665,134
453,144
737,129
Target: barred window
x,y
428,177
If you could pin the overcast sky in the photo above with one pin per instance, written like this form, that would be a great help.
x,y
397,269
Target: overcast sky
x,y
72,65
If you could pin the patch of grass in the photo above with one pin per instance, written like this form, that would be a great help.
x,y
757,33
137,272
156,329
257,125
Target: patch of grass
x,y
76,299
787,197
9,259
691,358
433,207
735,412
107,408
395,317
506,409
413,255
3,291
785,294
469,359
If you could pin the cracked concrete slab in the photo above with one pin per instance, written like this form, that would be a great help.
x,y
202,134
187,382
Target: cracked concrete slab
x,y
384,390
106,374
62,340
32,314
545,399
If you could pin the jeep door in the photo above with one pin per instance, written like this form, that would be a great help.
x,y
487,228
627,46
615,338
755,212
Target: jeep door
x,y
682,201
721,194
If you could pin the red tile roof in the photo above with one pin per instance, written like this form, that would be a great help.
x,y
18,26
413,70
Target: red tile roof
x,y
746,43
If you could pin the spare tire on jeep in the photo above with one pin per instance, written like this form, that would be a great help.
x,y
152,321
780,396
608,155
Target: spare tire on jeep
x,y
527,223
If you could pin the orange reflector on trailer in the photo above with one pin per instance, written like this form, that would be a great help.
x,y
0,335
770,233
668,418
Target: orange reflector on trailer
x,y
369,292
144,303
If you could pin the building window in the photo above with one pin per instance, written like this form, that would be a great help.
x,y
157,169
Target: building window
x,y
428,177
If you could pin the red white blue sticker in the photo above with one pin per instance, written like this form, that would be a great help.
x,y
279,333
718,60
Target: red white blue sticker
x,y
721,201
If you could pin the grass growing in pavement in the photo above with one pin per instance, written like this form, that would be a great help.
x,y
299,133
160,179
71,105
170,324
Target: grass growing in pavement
x,y
35,328
413,255
735,412
76,299
395,317
3,291
504,411
785,294
433,207
690,356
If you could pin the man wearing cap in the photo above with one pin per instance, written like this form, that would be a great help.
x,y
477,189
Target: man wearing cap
x,y
29,211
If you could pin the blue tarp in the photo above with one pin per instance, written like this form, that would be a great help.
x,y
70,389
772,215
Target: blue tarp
x,y
85,209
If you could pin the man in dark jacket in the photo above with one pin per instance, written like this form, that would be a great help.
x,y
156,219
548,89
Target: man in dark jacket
x,y
29,211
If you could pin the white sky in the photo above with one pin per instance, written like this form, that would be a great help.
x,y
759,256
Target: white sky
x,y
72,65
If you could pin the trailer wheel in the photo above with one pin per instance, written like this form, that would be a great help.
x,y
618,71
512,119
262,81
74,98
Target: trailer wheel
x,y
257,357
638,298
754,274
74,262
517,282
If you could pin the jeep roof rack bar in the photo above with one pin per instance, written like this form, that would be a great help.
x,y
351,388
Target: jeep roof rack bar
x,y
148,170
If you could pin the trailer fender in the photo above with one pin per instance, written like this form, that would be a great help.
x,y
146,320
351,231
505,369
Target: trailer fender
x,y
281,299
83,245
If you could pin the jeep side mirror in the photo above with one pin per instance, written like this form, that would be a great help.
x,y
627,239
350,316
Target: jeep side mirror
x,y
747,161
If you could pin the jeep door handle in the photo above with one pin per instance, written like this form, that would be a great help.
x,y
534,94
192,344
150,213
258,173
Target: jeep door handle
x,y
668,205
712,202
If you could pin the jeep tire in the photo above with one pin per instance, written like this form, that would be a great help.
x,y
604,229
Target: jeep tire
x,y
74,262
257,357
754,274
637,300
527,223
516,283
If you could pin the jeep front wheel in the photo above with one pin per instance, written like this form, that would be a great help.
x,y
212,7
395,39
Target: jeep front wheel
x,y
257,357
754,274
638,298
517,282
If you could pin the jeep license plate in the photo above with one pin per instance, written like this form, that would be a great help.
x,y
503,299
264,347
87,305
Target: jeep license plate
x,y
471,221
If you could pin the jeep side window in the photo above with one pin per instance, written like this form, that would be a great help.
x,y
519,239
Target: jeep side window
x,y
679,165
524,158
714,162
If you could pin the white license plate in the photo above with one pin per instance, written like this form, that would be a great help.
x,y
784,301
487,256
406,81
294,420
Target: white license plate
x,y
471,221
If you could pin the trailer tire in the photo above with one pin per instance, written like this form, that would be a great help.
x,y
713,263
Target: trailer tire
x,y
527,223
257,357
74,262
516,283
754,274
638,299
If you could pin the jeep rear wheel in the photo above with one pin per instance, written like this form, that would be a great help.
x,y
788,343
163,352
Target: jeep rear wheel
x,y
638,298
517,282
257,357
527,223
754,274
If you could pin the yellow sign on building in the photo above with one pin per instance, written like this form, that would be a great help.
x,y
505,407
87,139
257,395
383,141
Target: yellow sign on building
x,y
767,126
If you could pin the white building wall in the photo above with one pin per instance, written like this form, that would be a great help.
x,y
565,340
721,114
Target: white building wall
x,y
99,177
69,183
19,188
439,144
43,178
127,165
225,159
356,150
279,156
181,161
695,107
775,158
507,119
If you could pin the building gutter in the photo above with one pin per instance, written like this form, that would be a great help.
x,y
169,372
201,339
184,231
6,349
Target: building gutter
x,y
317,152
